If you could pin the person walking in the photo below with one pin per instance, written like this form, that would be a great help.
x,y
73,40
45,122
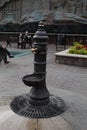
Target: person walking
x,y
4,53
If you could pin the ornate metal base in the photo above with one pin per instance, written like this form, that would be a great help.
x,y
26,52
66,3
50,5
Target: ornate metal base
x,y
21,106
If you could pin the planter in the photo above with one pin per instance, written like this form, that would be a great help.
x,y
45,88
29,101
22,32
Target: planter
x,y
70,59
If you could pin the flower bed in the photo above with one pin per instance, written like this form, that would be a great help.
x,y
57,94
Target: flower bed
x,y
78,48
64,57
76,55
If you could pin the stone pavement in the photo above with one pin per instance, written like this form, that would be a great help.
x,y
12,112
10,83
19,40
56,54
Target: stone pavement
x,y
65,77
67,82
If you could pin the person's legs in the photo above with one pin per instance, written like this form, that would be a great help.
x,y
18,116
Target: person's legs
x,y
18,44
8,53
5,59
8,44
30,44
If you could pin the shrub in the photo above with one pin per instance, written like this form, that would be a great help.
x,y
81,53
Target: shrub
x,y
78,48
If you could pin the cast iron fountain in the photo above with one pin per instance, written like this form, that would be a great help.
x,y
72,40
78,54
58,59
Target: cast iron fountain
x,y
38,103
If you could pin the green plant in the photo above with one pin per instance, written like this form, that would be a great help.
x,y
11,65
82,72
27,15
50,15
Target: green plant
x,y
78,48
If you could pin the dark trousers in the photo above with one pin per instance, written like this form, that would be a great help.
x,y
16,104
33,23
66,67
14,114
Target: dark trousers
x,y
5,53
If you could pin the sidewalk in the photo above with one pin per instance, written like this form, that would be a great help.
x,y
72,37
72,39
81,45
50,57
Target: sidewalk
x,y
65,77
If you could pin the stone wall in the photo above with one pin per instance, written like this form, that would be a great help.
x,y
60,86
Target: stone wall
x,y
36,10
71,61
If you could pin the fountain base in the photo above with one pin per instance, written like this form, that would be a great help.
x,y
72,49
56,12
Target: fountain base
x,y
21,105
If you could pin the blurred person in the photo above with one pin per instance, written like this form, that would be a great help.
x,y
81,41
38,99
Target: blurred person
x,y
4,53
20,40
8,42
28,39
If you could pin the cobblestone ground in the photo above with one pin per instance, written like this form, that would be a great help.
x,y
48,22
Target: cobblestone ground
x,y
64,77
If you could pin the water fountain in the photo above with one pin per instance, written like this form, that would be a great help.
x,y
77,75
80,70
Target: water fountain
x,y
38,103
